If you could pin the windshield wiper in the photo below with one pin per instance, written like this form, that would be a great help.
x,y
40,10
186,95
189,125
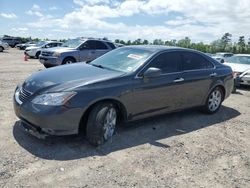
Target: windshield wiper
x,y
99,66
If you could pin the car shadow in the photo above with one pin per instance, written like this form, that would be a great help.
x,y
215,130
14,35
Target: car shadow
x,y
132,134
244,88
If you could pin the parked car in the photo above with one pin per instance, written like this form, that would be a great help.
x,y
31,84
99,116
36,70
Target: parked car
x,y
3,46
75,50
222,56
219,59
240,64
12,41
23,46
35,51
126,84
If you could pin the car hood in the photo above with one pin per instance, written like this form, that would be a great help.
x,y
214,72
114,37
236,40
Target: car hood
x,y
32,48
61,49
67,77
238,67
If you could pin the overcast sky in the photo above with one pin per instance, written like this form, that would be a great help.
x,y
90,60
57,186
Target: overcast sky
x,y
201,20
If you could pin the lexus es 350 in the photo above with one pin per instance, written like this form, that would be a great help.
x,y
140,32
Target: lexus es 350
x,y
126,84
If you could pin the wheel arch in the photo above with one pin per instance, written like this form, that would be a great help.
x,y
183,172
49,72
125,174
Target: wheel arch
x,y
72,57
118,104
218,84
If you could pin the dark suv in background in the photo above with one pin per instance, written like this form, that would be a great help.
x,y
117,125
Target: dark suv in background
x,y
12,41
75,50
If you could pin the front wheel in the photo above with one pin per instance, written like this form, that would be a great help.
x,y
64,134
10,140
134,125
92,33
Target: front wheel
x,y
68,60
214,101
101,123
1,49
37,54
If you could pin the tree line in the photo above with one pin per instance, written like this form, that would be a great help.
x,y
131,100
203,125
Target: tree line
x,y
224,44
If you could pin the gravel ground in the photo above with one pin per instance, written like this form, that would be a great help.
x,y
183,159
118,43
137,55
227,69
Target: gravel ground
x,y
185,149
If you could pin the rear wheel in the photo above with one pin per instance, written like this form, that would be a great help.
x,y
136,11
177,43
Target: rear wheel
x,y
1,49
68,60
214,101
101,123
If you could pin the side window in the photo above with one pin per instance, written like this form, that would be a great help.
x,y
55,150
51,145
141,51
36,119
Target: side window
x,y
193,61
89,45
168,62
100,45
111,45
49,45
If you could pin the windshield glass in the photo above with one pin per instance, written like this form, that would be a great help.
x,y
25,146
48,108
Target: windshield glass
x,y
239,60
72,43
122,59
41,43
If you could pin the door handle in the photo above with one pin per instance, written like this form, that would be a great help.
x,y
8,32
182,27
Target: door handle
x,y
213,74
179,80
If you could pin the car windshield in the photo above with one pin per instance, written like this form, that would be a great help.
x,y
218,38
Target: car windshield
x,y
239,60
72,43
41,43
122,59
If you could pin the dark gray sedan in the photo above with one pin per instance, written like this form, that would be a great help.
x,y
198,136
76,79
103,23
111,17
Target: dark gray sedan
x,y
126,84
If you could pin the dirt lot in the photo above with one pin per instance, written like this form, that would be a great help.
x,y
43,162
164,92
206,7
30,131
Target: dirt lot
x,y
186,149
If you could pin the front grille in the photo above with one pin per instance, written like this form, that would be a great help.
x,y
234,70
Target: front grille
x,y
46,53
24,95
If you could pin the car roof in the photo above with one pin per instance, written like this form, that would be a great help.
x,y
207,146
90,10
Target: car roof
x,y
224,53
157,48
248,55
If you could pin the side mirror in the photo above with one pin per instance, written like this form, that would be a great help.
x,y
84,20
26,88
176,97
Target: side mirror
x,y
152,72
222,60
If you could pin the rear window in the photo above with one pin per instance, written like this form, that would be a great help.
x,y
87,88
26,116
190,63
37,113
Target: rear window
x,y
111,45
193,61
100,45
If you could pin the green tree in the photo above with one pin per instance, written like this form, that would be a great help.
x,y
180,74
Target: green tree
x,y
145,42
241,44
226,41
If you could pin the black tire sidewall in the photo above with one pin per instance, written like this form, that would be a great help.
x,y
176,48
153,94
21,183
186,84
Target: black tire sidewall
x,y
67,59
1,49
94,129
37,54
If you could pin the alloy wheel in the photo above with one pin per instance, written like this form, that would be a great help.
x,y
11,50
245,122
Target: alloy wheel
x,y
214,100
109,123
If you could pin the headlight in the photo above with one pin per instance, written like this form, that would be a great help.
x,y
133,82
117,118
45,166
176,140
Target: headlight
x,y
53,99
56,54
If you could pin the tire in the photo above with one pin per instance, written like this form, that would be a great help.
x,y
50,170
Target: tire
x,y
1,49
46,66
68,60
37,54
214,100
101,123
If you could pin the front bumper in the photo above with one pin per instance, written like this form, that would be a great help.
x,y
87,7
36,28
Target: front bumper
x,y
243,79
41,120
49,61
29,53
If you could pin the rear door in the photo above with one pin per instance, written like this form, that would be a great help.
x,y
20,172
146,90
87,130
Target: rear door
x,y
198,75
86,50
100,49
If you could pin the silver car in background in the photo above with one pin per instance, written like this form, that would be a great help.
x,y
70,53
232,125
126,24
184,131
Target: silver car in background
x,y
35,51
240,63
76,50
3,46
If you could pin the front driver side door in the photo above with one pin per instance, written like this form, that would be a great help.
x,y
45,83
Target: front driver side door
x,y
159,94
